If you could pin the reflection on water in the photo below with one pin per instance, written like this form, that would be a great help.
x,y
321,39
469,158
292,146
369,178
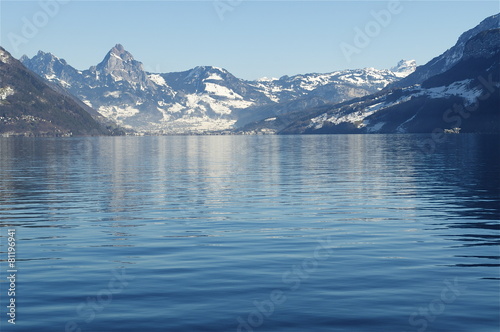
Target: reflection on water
x,y
210,226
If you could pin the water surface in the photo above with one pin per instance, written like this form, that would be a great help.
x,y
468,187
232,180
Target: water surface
x,y
261,233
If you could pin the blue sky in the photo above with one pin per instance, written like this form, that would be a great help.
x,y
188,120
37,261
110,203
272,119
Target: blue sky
x,y
249,38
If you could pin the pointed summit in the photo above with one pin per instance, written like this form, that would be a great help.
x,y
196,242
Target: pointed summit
x,y
119,48
46,56
120,65
48,65
115,56
404,68
120,52
24,58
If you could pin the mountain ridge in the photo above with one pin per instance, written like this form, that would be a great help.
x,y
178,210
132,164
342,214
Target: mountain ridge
x,y
450,57
465,98
201,99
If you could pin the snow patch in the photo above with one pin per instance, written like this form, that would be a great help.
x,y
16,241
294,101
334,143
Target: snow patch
x,y
222,91
176,108
318,122
267,79
4,57
5,92
114,94
116,78
158,80
215,77
375,128
401,127
460,89
166,116
116,56
116,113
354,117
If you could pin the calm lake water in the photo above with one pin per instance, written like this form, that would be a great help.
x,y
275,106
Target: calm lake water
x,y
252,233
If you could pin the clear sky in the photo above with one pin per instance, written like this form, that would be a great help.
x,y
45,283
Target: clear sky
x,y
251,39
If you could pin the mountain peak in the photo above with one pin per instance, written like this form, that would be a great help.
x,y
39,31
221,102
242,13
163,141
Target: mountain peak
x,y
205,69
46,56
47,64
24,58
117,58
206,72
120,65
117,53
404,68
118,49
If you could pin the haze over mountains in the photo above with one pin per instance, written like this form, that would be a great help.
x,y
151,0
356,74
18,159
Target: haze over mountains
x,y
209,99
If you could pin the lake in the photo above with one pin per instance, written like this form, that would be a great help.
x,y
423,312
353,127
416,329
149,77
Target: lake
x,y
251,233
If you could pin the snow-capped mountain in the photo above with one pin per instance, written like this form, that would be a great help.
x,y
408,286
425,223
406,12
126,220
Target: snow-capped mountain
x,y
204,98
301,92
118,87
201,99
465,97
288,88
404,68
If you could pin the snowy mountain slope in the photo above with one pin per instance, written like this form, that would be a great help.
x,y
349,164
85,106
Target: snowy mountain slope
x,y
448,59
120,89
301,92
287,88
466,96
404,68
201,99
